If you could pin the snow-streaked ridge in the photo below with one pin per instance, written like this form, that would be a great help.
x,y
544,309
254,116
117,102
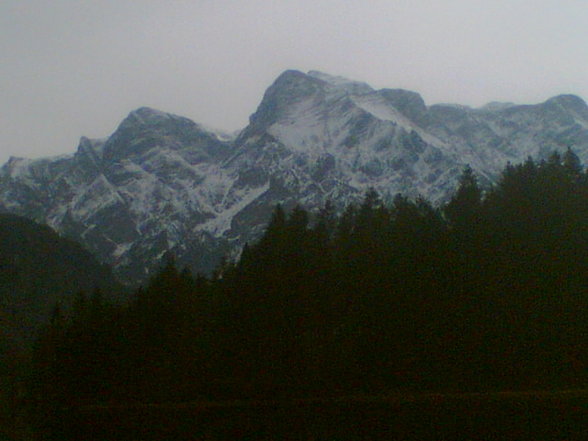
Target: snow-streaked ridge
x,y
221,223
162,182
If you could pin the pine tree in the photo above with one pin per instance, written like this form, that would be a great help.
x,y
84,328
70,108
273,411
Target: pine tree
x,y
464,207
572,163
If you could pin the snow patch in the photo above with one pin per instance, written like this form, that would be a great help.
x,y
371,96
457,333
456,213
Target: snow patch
x,y
122,249
381,109
222,222
341,82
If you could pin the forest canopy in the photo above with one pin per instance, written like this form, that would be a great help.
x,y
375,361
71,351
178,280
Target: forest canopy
x,y
487,292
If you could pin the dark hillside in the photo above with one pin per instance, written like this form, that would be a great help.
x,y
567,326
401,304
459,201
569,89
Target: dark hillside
x,y
38,269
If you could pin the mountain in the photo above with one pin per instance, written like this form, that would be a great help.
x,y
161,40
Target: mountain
x,y
163,183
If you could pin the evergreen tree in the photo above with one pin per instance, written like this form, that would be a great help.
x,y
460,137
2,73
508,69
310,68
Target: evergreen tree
x,y
572,163
463,210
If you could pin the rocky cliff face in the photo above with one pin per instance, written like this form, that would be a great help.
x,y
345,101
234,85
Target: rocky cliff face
x,y
162,182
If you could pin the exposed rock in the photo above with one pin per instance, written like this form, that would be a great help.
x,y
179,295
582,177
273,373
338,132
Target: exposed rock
x,y
161,182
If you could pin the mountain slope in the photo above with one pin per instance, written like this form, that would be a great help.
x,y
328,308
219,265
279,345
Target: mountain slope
x,y
162,182
38,268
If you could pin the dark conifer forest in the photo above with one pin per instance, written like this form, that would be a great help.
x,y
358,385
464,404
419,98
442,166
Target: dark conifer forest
x,y
488,292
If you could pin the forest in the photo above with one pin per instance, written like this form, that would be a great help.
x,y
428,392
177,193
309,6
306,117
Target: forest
x,y
488,292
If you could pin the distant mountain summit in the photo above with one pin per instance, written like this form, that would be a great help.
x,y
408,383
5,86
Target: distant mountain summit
x,y
163,183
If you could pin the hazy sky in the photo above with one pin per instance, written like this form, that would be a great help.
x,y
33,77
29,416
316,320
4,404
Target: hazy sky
x,y
78,67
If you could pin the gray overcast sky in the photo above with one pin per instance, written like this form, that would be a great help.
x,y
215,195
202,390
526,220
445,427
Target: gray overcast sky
x,y
77,67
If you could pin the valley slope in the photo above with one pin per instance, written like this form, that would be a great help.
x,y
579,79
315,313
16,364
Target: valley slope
x,y
39,270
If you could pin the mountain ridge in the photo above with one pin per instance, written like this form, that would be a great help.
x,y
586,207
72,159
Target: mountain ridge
x,y
162,182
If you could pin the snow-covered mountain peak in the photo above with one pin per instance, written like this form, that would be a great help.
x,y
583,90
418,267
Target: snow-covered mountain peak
x,y
157,119
570,103
351,86
162,182
294,90
294,83
409,103
567,100
289,88
148,115
146,132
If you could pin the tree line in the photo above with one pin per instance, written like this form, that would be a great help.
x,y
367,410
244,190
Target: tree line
x,y
486,292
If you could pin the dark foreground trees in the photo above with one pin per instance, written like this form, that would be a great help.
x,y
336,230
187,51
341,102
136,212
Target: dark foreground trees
x,y
488,292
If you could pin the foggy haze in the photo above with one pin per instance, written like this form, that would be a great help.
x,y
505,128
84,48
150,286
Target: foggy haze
x,y
73,68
